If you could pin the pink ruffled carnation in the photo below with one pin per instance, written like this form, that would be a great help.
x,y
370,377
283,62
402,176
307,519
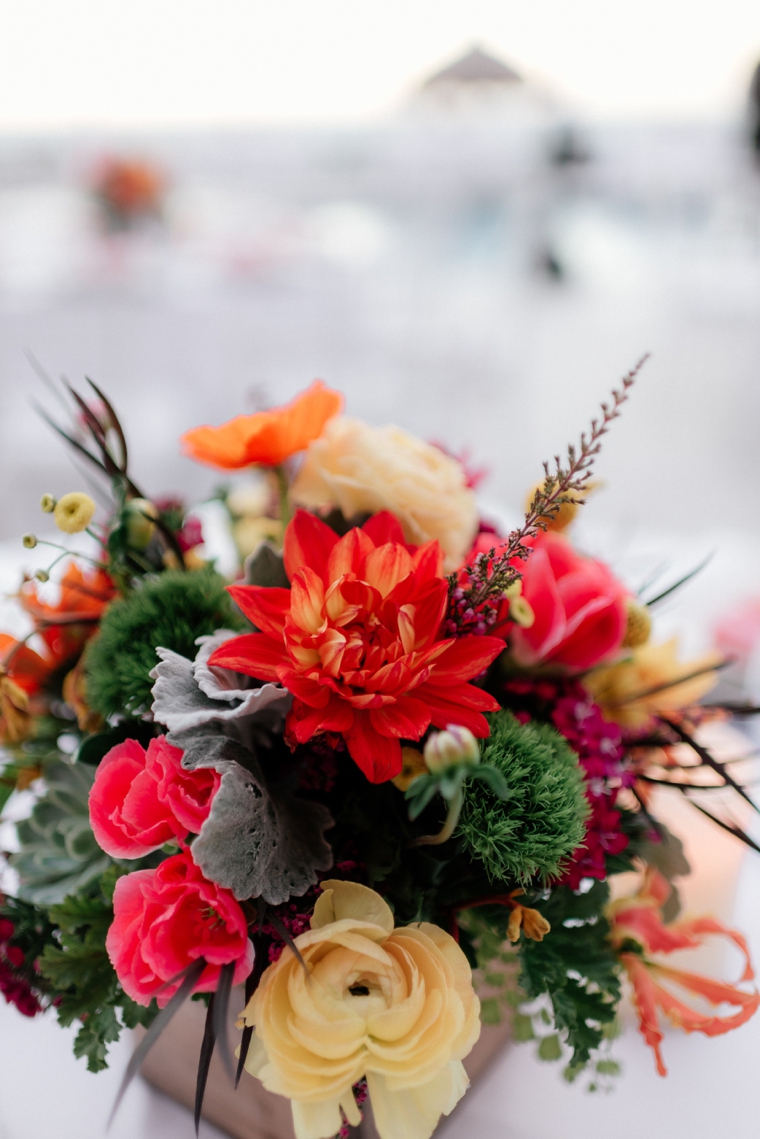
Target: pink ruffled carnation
x,y
167,918
142,799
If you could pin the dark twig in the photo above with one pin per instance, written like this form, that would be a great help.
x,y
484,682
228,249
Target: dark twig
x,y
204,1060
191,977
709,760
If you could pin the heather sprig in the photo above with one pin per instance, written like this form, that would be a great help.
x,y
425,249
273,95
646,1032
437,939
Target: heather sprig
x,y
473,604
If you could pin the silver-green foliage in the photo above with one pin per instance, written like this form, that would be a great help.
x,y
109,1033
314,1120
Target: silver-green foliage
x,y
59,855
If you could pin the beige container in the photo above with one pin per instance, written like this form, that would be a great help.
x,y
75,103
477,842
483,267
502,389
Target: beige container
x,y
251,1112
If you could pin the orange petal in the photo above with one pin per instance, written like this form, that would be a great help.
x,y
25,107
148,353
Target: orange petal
x,y
386,566
307,600
716,992
645,999
267,438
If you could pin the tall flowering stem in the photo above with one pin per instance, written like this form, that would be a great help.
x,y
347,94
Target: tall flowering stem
x,y
474,602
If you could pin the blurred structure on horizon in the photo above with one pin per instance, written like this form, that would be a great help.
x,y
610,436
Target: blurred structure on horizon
x,y
481,265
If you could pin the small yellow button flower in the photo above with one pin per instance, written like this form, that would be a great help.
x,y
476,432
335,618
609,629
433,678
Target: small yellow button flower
x,y
73,513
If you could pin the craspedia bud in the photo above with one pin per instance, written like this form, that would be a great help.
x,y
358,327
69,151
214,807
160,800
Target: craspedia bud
x,y
29,541
47,503
638,626
140,514
521,612
450,748
562,518
73,513
42,575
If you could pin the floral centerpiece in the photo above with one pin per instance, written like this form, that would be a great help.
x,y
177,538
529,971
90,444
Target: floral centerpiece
x,y
384,779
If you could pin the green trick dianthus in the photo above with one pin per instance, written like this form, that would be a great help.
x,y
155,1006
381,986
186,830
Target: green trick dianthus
x,y
543,818
170,610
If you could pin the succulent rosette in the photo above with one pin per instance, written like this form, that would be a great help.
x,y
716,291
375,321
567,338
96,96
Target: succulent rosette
x,y
392,764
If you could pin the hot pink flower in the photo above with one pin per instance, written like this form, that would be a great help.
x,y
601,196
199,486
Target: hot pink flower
x,y
141,799
164,920
579,607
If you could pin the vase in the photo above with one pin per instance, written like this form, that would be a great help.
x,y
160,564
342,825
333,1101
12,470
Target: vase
x,y
250,1111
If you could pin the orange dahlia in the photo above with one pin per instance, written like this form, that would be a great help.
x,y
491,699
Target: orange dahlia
x,y
356,639
267,438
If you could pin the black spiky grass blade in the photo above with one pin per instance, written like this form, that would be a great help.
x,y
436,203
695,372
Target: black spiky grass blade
x,y
70,439
96,427
204,1060
278,925
190,976
221,1010
260,960
115,423
732,828
667,684
710,761
681,581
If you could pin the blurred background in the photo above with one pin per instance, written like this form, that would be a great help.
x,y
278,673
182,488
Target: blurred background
x,y
472,218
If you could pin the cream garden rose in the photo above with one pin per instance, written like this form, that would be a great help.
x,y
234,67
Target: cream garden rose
x,y
366,469
393,1004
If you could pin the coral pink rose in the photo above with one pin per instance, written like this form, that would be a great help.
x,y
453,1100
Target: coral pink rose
x,y
165,919
141,799
579,607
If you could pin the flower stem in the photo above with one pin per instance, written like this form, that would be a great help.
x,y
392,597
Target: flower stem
x,y
448,828
282,489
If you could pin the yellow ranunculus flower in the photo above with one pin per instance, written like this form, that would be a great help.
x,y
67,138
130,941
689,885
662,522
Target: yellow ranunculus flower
x,y
651,681
365,469
394,1005
73,513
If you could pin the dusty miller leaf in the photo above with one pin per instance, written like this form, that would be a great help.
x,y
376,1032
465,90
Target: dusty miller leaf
x,y
260,843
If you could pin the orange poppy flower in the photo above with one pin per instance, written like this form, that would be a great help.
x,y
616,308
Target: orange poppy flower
x,y
639,920
267,438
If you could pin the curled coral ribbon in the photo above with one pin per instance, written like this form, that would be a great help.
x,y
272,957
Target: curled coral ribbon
x,y
639,919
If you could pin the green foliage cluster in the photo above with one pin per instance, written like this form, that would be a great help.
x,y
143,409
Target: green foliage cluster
x,y
170,610
574,965
77,968
541,820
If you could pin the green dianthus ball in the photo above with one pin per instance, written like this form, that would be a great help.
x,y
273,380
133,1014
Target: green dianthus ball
x,y
544,817
170,610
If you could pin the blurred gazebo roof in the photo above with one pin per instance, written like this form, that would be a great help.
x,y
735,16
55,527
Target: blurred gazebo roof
x,y
476,66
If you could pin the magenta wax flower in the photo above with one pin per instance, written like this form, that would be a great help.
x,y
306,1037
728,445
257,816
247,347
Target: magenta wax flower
x,y
141,799
164,920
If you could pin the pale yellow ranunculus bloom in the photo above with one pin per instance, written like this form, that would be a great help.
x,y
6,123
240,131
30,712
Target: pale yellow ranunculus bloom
x,y
365,469
393,1004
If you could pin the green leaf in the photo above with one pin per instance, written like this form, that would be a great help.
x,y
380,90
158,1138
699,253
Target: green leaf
x,y
550,1048
493,778
490,1013
608,1067
522,1027
99,1029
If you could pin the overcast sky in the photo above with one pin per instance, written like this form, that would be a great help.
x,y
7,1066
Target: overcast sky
x,y
67,63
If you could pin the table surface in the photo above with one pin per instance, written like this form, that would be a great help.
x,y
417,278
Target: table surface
x,y
710,1089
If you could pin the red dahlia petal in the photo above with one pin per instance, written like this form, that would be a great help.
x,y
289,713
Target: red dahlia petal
x,y
304,722
466,657
379,757
265,607
407,719
385,527
253,654
307,542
